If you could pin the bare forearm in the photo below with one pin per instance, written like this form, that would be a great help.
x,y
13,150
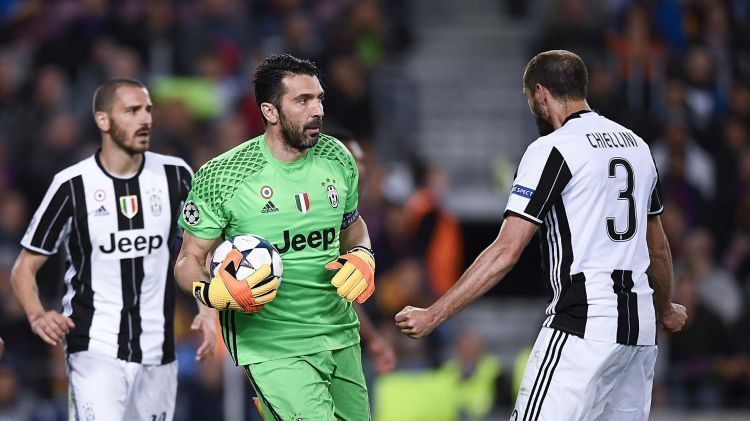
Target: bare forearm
x,y
188,270
25,289
486,271
366,328
660,273
355,235
660,269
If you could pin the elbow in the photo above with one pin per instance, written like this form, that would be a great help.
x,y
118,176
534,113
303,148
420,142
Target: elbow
x,y
505,259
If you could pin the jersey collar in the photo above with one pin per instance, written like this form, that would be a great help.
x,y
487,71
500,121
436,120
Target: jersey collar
x,y
114,177
576,114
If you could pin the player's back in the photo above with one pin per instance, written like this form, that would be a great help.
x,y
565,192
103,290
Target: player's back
x,y
595,191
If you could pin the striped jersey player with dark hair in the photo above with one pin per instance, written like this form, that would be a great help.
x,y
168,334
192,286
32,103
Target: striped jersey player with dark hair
x,y
590,186
114,216
298,341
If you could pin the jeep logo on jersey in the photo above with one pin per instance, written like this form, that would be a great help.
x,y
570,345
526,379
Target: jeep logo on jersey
x,y
315,239
129,244
333,196
129,206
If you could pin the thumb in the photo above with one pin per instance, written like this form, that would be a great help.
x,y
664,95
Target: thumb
x,y
335,265
196,324
401,316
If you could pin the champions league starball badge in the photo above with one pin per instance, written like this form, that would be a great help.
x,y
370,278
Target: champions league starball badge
x,y
191,213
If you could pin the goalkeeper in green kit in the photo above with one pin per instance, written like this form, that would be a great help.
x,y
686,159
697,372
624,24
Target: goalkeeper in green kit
x,y
297,188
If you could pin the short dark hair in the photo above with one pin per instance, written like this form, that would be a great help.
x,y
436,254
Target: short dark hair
x,y
562,72
105,93
267,78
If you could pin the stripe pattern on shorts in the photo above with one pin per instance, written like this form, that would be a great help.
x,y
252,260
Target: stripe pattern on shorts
x,y
544,375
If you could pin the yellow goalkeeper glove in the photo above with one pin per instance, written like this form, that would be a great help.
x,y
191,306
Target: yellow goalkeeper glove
x,y
226,292
356,274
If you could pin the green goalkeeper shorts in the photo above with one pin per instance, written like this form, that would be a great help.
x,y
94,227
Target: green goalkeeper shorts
x,y
324,386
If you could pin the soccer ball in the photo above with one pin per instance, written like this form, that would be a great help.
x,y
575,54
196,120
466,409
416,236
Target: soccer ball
x,y
256,252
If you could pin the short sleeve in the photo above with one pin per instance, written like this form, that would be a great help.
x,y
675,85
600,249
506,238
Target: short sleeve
x,y
352,198
199,217
50,219
542,175
655,204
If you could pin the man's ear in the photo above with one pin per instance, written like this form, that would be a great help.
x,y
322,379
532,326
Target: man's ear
x,y
102,121
269,112
540,93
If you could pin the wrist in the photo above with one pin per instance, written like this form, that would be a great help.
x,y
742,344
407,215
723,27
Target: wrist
x,y
32,316
363,249
437,314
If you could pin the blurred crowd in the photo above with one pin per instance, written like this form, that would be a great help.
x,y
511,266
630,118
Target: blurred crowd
x,y
675,71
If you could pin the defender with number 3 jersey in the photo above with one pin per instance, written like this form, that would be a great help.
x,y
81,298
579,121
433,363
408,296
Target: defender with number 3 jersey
x,y
591,185
590,188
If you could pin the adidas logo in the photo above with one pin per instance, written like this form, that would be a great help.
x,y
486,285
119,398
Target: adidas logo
x,y
269,208
101,211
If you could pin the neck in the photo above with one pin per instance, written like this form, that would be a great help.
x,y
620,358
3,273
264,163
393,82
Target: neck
x,y
119,162
562,110
279,148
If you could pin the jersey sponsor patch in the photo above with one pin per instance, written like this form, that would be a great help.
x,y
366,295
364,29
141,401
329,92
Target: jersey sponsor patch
x,y
129,244
191,213
522,191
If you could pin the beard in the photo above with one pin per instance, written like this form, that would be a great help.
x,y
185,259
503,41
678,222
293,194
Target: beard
x,y
120,137
295,137
543,125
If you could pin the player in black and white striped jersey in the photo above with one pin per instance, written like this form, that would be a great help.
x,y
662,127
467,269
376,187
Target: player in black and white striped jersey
x,y
114,215
591,185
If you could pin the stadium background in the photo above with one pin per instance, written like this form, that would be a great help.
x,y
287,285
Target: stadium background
x,y
432,90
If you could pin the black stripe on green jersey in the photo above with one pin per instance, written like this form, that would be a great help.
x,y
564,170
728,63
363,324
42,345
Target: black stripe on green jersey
x,y
260,394
234,334
223,326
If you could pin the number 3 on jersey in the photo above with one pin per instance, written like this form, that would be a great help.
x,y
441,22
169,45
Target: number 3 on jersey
x,y
626,194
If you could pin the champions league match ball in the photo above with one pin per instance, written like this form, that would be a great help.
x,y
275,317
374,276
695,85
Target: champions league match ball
x,y
256,252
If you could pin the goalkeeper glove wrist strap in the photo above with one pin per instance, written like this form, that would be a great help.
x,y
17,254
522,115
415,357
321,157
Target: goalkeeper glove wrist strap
x,y
363,249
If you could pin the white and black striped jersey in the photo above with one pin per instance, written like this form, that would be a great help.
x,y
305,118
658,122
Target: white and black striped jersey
x,y
117,236
591,185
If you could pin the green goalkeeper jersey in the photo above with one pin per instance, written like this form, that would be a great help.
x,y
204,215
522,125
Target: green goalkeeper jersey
x,y
299,207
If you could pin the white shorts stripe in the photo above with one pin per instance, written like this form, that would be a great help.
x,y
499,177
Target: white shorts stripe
x,y
541,384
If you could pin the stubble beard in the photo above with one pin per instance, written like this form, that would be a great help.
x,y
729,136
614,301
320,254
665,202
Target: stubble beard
x,y
294,137
120,137
543,125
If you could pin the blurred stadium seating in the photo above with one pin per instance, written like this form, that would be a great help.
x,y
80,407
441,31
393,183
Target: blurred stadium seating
x,y
432,90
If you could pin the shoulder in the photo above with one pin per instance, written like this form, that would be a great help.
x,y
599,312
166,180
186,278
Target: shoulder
x,y
244,159
544,145
222,175
332,149
81,168
160,159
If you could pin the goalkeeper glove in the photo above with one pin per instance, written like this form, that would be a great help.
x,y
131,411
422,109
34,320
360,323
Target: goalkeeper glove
x,y
226,292
356,274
